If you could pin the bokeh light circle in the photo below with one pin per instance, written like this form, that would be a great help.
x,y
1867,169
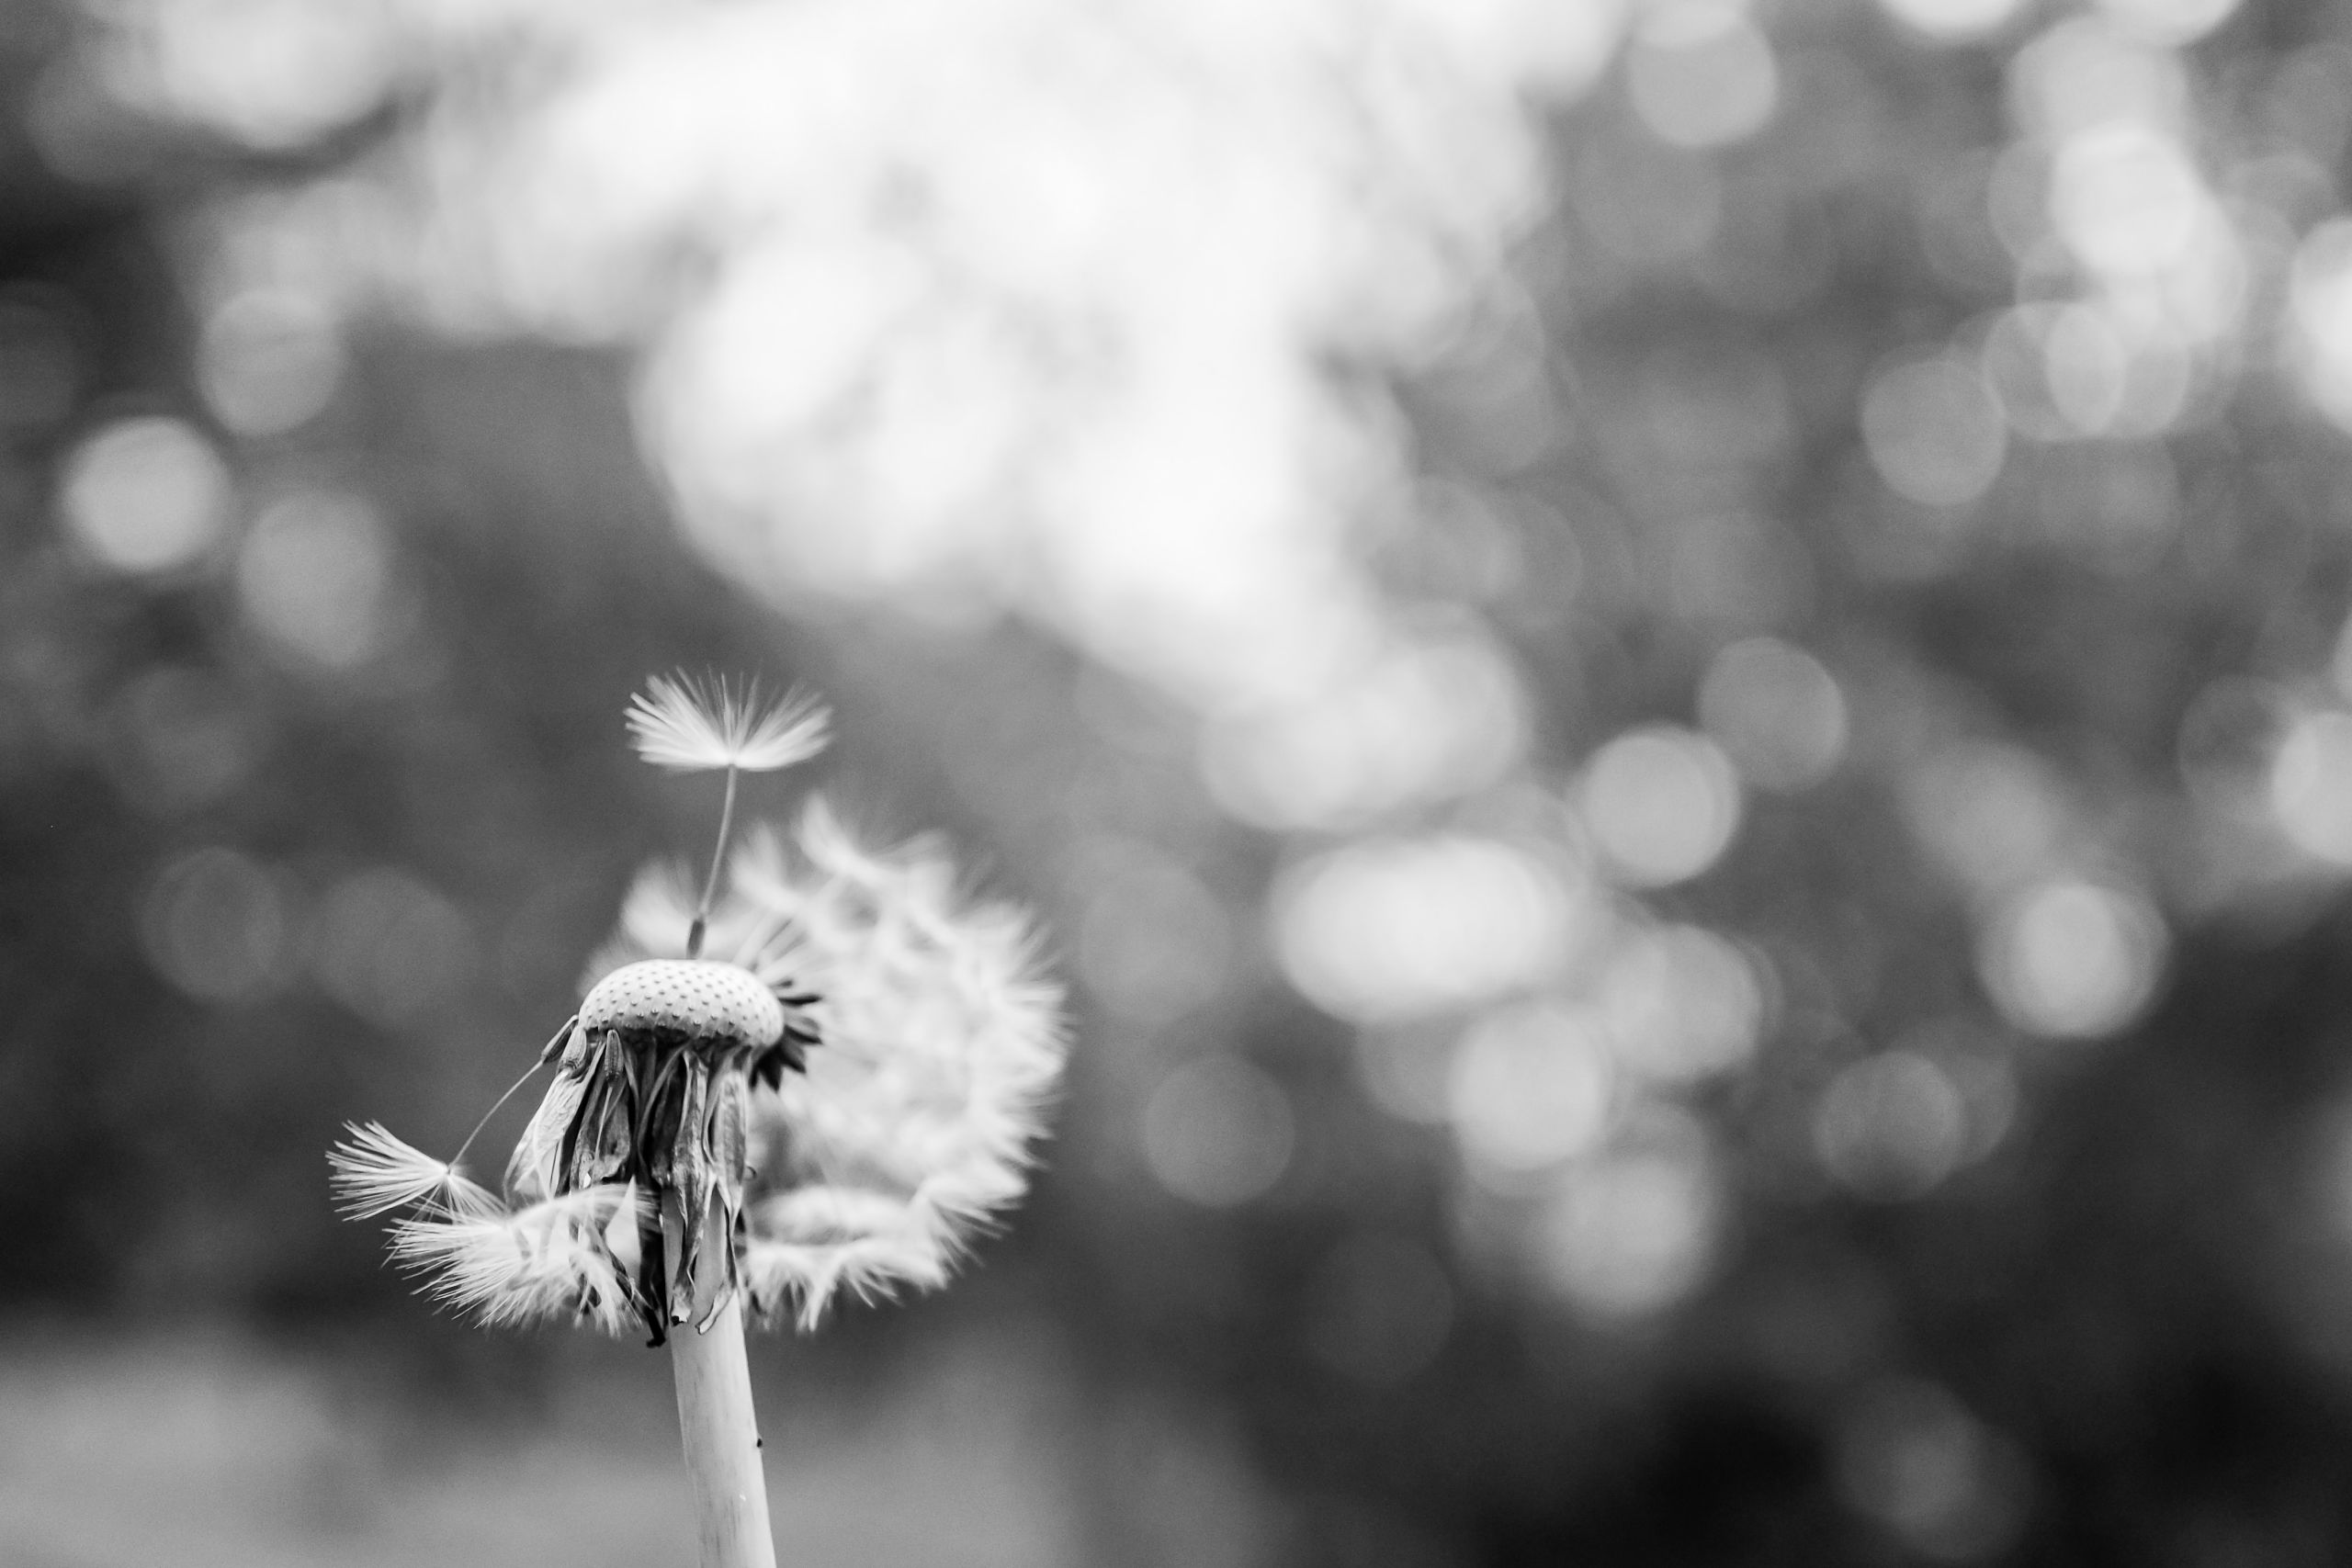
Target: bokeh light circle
x,y
1890,1126
314,573
2069,958
1631,1233
2320,301
215,923
2310,785
2125,197
1909,1455
1662,803
1399,928
1531,1086
269,361
2170,22
1777,713
145,494
1682,1003
1703,86
1934,431
1218,1131
1953,21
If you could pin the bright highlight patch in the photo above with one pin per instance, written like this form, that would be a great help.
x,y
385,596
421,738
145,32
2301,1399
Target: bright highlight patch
x,y
1390,929
1952,21
2321,311
1531,1086
269,361
1662,803
2068,958
1704,85
314,575
1776,711
145,495
1934,431
2310,786
1682,1003
1633,1233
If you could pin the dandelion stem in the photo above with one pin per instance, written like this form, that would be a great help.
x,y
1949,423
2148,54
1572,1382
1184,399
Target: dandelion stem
x,y
718,858
722,1441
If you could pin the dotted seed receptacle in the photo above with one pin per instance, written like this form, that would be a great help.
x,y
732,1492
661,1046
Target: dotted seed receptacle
x,y
696,996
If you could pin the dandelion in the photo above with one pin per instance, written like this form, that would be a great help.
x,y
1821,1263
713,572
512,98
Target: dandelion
x,y
822,1074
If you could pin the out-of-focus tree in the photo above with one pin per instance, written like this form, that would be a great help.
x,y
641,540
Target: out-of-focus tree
x,y
1678,669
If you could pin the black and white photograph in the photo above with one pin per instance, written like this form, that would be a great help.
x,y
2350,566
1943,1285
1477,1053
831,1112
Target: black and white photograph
x,y
1175,784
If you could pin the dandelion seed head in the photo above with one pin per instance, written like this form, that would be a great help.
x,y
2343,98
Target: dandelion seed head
x,y
699,726
867,1166
698,996
911,1125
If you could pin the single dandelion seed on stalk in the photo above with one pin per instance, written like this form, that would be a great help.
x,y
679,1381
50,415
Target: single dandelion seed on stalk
x,y
697,726
692,727
822,1073
376,1173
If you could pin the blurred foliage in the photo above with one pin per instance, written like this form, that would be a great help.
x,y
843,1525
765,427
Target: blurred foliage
x,y
1907,515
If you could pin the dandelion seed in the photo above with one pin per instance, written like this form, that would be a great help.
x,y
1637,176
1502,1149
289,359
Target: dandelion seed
x,y
689,726
373,1173
547,1261
700,726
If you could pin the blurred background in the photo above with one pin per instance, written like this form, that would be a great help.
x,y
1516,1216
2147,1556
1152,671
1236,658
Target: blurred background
x,y
1673,674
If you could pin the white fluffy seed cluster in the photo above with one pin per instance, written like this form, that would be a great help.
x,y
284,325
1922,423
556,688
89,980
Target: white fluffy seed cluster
x,y
943,1042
